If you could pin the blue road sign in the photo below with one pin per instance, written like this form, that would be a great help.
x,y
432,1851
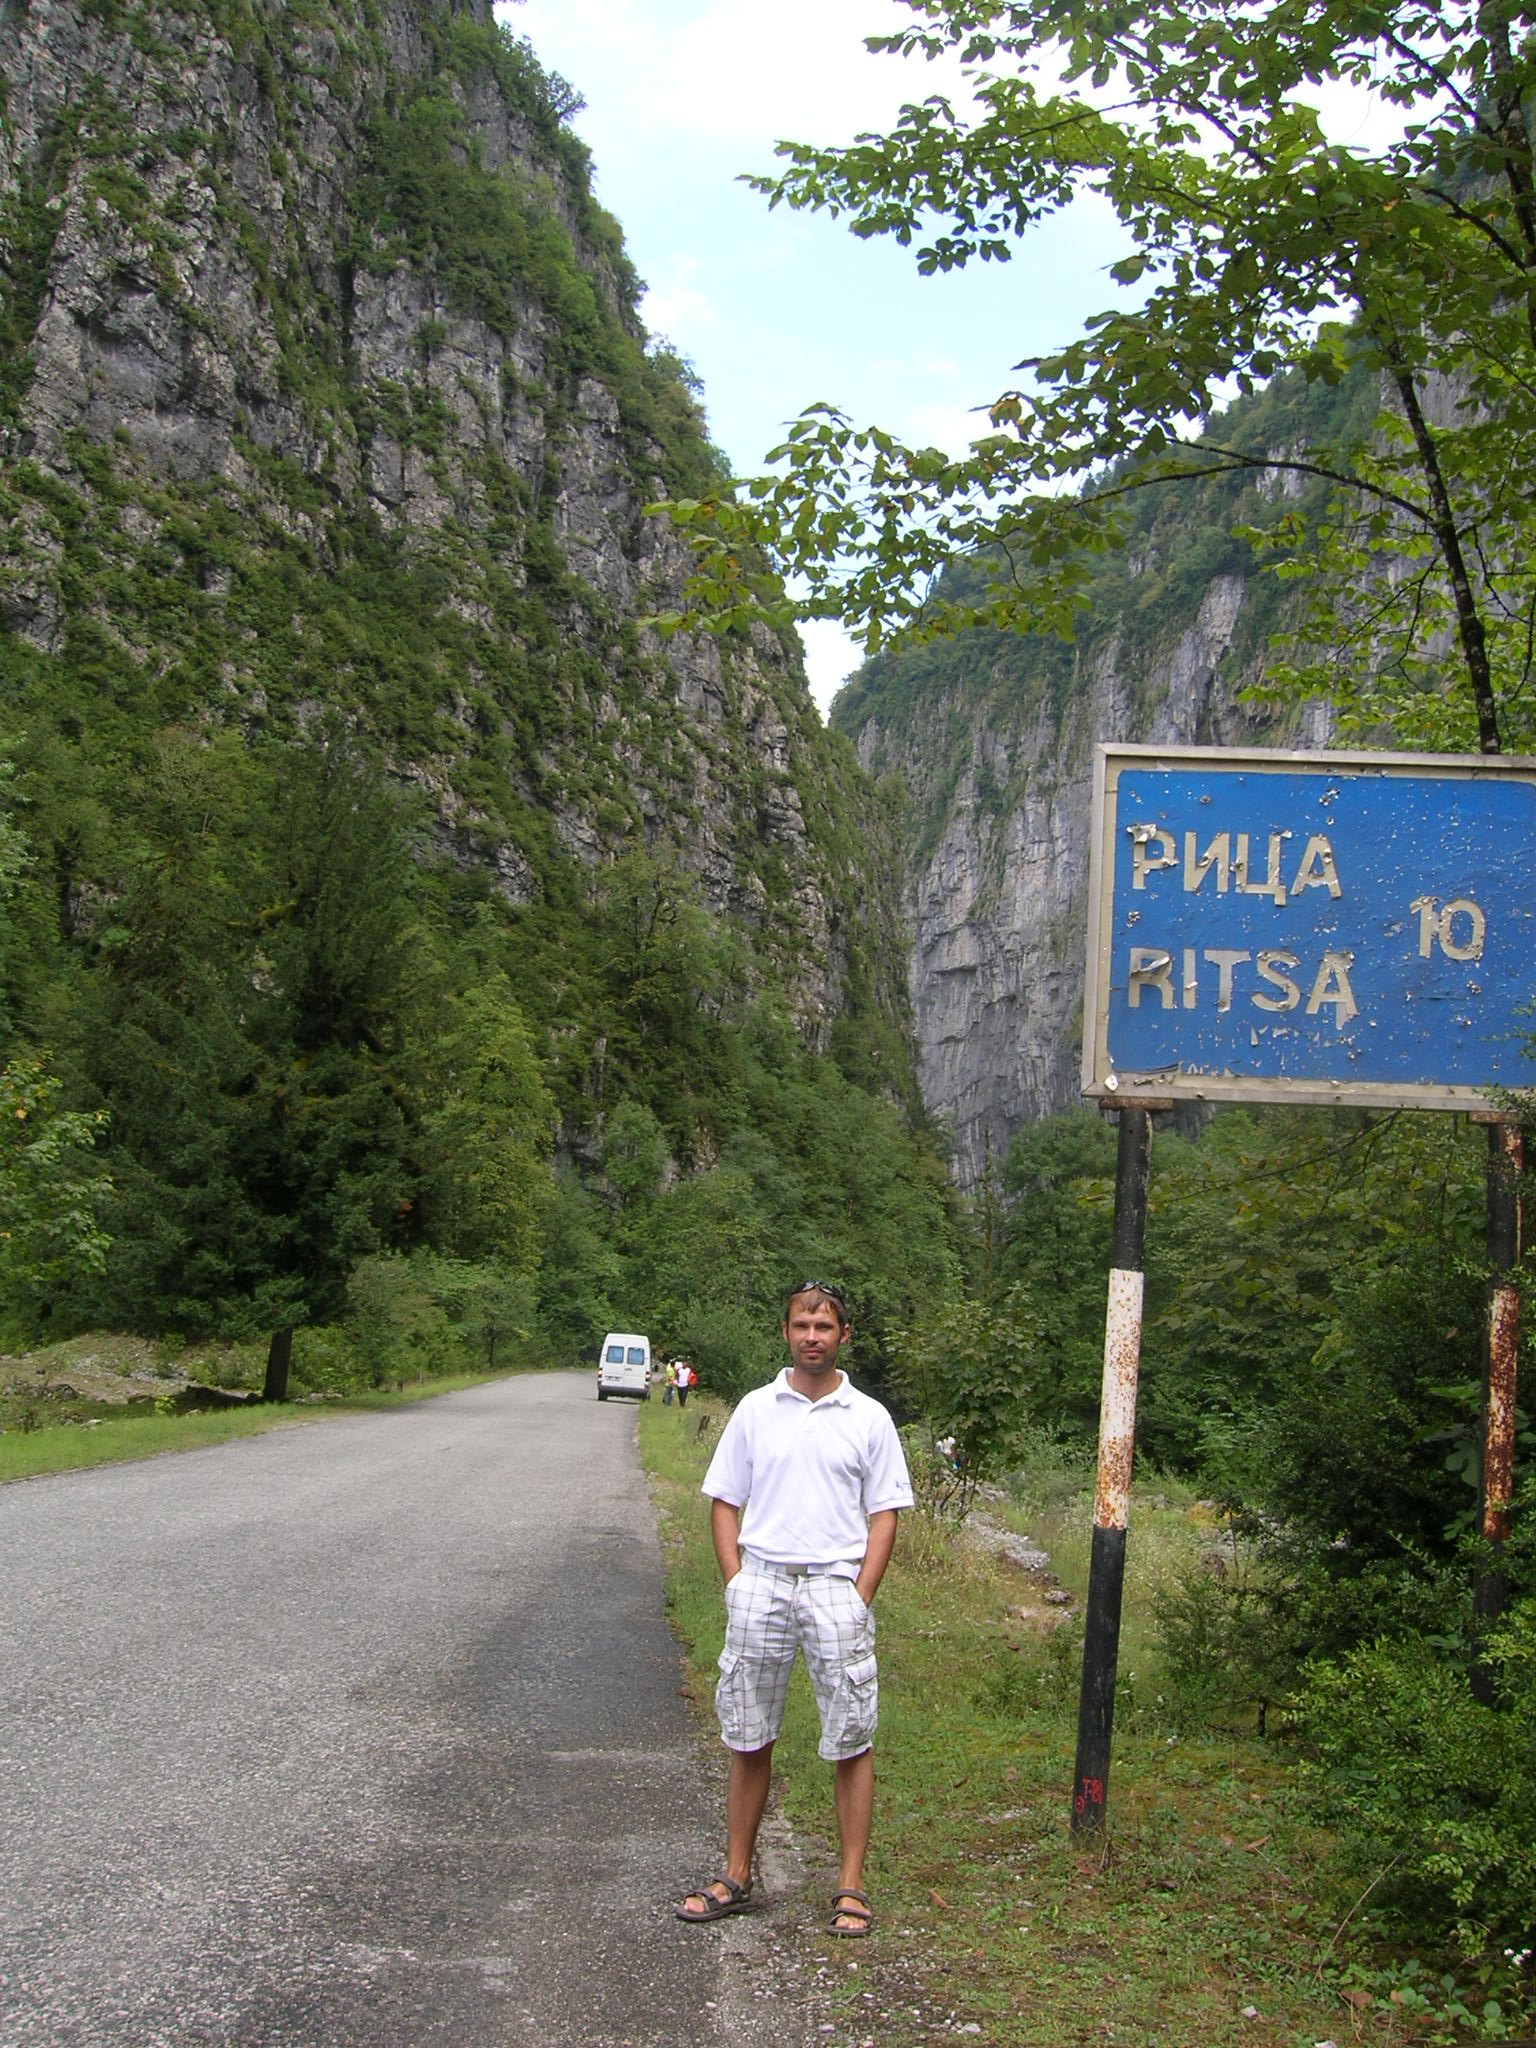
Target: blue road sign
x,y
1311,927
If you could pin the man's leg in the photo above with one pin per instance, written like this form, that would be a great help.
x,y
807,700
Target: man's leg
x,y
746,1799
838,1638
853,1793
754,1675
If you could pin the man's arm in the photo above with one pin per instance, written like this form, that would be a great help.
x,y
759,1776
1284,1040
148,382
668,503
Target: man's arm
x,y
877,1553
725,1528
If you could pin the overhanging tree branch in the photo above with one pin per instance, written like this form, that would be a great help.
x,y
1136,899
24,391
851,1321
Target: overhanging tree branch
x,y
1265,237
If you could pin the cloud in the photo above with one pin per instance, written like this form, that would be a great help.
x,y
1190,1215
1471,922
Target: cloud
x,y
675,308
950,427
799,68
733,71
831,656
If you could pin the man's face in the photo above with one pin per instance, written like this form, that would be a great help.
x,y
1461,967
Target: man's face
x,y
814,1336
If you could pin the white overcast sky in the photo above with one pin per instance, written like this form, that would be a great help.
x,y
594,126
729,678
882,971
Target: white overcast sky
x,y
777,310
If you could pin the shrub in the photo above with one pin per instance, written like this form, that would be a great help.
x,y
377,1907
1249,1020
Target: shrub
x,y
1221,1634
966,1370
424,1316
729,1347
326,1360
1430,1793
51,1192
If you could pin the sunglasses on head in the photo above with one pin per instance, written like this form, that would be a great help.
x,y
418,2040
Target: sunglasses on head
x,y
820,1287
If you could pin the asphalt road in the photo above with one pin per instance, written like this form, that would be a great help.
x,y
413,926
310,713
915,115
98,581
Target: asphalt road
x,y
367,1732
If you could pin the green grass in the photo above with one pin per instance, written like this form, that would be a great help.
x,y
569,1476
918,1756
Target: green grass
x,y
1053,1503
1206,1919
74,1446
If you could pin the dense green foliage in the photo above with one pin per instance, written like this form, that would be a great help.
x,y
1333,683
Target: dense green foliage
x,y
50,1222
1312,1359
1431,1791
1313,1326
812,1176
357,975
315,1083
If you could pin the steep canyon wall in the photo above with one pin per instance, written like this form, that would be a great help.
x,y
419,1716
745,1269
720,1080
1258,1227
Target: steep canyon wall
x,y
322,387
992,741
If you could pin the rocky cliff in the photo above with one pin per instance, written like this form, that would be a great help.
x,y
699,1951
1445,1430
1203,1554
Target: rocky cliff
x,y
321,385
992,740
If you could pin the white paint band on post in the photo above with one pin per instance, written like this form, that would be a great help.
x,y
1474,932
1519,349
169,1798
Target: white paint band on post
x,y
1117,1410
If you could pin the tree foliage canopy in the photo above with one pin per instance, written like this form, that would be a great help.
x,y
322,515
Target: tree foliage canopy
x,y
1258,246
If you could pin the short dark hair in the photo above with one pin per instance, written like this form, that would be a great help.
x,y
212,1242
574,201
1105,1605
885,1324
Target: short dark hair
x,y
827,1288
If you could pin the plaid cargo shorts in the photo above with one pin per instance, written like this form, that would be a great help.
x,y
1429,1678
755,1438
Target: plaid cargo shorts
x,y
770,1614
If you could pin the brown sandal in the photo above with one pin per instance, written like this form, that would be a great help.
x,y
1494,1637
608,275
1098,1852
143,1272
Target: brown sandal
x,y
860,1911
738,1899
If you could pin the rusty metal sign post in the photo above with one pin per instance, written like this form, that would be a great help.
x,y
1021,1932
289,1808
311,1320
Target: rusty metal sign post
x,y
1501,1352
1349,929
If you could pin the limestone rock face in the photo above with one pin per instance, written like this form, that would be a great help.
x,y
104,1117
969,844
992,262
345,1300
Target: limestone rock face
x,y
997,894
237,302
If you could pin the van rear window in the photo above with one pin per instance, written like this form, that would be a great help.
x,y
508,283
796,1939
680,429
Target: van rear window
x,y
636,1355
614,1355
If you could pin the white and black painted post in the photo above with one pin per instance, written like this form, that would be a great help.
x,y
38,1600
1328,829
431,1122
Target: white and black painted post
x,y
1117,1438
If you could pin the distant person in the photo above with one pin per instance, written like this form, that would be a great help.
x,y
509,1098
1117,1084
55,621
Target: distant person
x,y
804,1489
684,1382
669,1377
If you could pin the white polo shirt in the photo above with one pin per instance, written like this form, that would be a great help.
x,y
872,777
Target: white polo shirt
x,y
809,1473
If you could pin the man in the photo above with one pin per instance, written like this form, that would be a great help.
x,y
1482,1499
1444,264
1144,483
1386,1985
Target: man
x,y
804,1491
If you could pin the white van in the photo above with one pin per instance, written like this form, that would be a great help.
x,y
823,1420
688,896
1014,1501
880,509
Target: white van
x,y
624,1366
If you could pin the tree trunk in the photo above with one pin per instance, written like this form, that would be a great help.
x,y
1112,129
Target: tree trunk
x,y
1469,620
279,1358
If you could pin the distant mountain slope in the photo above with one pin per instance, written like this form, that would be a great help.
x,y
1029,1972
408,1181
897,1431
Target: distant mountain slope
x,y
991,738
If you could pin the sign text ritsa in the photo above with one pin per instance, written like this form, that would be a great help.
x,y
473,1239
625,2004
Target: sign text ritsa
x,y
1273,979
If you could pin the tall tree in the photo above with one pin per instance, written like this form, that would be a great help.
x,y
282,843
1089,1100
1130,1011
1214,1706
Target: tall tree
x,y
1257,246
491,1125
52,1193
251,1024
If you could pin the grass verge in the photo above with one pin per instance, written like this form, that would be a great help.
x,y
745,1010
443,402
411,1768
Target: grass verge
x,y
1204,1920
73,1447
